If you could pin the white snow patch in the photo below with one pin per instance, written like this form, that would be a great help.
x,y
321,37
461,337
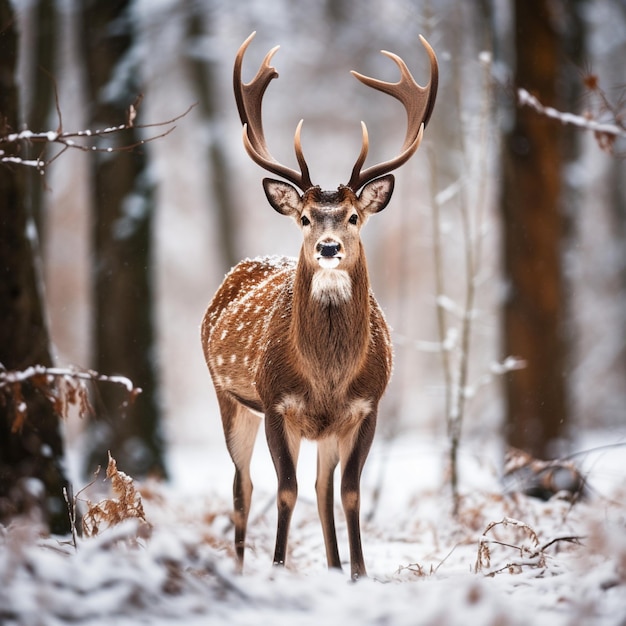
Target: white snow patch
x,y
421,561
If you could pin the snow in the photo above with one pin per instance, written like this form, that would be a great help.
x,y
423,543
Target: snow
x,y
526,99
544,562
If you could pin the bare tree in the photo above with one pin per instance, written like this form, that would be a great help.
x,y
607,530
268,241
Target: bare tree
x,y
31,450
123,328
203,73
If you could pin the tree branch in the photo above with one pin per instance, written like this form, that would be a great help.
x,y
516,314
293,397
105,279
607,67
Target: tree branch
x,y
73,139
606,133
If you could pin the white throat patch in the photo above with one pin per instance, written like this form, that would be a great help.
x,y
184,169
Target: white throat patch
x,y
328,263
331,286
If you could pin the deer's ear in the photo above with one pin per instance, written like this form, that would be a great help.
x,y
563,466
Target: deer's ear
x,y
376,195
283,197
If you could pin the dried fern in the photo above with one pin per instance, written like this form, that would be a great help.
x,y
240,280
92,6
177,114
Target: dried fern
x,y
112,511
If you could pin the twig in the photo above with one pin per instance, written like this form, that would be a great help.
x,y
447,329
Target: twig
x,y
606,446
71,499
68,139
10,377
445,558
525,98
605,133
68,496
535,556
575,539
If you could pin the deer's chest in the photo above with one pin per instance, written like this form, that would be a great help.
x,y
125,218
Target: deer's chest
x,y
315,400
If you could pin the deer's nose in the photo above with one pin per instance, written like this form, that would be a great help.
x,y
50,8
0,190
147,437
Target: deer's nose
x,y
328,248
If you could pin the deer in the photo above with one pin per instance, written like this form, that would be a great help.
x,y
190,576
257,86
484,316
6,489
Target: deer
x,y
302,343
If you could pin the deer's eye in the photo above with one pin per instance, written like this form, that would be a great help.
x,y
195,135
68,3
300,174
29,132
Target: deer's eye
x,y
354,218
305,221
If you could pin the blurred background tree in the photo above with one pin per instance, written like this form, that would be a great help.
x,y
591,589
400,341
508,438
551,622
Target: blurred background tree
x,y
534,201
122,260
31,448
203,73
41,88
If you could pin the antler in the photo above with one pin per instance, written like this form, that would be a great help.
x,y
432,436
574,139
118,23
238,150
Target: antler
x,y
249,97
418,102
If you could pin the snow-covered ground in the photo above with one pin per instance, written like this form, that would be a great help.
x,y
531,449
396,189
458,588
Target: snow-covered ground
x,y
547,563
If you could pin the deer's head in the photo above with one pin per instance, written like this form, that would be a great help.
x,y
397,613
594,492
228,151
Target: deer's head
x,y
331,221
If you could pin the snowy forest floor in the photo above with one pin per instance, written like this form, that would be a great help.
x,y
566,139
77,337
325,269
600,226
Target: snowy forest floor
x,y
546,563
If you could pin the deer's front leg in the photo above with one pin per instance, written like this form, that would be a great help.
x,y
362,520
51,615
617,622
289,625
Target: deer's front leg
x,y
284,450
352,460
327,458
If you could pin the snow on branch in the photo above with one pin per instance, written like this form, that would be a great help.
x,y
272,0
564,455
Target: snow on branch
x,y
10,377
527,99
605,132
81,139
62,387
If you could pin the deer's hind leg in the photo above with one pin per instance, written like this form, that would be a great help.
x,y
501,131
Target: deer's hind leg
x,y
240,430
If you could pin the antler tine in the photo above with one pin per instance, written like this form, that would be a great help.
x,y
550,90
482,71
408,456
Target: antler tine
x,y
249,98
365,144
418,102
304,168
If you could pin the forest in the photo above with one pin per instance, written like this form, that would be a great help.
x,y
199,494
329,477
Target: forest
x,y
494,490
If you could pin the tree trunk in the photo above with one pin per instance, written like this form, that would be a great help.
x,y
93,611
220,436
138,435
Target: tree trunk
x,y
203,75
30,455
123,333
42,98
533,223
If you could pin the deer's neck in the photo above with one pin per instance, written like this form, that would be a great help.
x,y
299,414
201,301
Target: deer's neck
x,y
330,324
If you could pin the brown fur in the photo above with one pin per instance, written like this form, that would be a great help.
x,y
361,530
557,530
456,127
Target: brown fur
x,y
306,344
315,368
